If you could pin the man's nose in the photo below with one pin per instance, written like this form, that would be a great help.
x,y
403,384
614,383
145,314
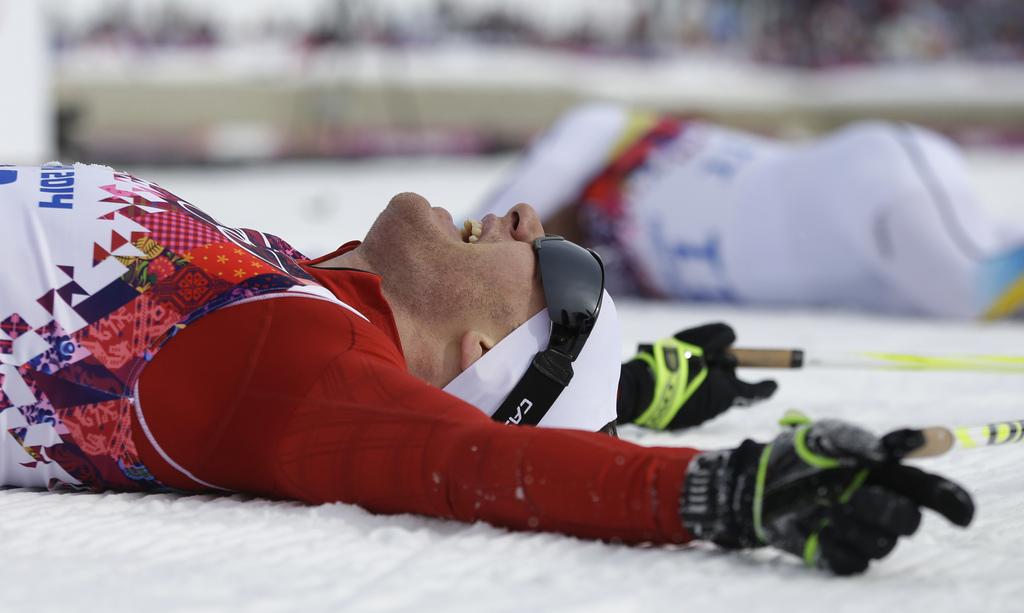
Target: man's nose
x,y
526,224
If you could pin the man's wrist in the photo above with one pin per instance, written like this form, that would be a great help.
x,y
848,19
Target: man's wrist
x,y
718,495
636,388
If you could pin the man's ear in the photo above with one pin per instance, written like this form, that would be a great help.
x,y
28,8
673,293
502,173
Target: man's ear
x,y
472,346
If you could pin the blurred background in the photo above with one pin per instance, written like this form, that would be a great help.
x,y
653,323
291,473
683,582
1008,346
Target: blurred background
x,y
215,84
191,80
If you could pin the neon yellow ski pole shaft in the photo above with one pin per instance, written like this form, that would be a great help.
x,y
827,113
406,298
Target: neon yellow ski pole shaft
x,y
936,440
939,439
799,358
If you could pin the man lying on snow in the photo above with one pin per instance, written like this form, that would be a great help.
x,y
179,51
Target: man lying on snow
x,y
877,216
147,347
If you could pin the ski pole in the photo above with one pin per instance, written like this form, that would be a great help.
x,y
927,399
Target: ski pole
x,y
937,440
799,358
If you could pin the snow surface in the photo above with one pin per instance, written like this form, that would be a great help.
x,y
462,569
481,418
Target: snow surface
x,y
120,552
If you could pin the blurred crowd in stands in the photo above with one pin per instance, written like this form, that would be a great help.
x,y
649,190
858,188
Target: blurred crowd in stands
x,y
808,33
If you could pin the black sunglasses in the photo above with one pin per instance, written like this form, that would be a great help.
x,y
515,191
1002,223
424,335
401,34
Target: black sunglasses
x,y
573,282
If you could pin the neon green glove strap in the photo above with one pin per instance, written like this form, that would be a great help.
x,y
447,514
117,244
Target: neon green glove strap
x,y
811,546
672,383
801,424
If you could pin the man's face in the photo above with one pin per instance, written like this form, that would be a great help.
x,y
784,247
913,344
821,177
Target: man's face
x,y
438,268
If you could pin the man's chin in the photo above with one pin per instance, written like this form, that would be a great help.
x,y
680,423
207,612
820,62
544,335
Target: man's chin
x,y
410,222
446,219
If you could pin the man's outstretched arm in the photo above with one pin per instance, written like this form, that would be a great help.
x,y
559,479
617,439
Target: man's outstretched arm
x,y
357,428
401,446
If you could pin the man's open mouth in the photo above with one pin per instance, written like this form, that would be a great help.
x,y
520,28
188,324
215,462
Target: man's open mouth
x,y
471,229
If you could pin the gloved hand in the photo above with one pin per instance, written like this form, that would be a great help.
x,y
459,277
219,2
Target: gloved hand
x,y
829,492
685,380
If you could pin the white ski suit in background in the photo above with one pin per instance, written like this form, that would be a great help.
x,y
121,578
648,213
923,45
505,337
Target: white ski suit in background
x,y
879,216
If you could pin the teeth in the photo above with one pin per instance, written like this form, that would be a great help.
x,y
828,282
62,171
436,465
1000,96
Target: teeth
x,y
471,230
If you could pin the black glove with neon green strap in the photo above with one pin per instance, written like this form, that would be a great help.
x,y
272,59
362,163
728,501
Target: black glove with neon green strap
x,y
685,380
830,492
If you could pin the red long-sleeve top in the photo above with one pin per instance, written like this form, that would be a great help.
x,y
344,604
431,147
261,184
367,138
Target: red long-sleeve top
x,y
298,398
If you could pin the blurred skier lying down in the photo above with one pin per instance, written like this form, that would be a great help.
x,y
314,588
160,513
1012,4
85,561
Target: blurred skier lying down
x,y
878,216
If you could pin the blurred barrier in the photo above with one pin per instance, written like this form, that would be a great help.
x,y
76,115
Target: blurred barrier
x,y
229,106
26,133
